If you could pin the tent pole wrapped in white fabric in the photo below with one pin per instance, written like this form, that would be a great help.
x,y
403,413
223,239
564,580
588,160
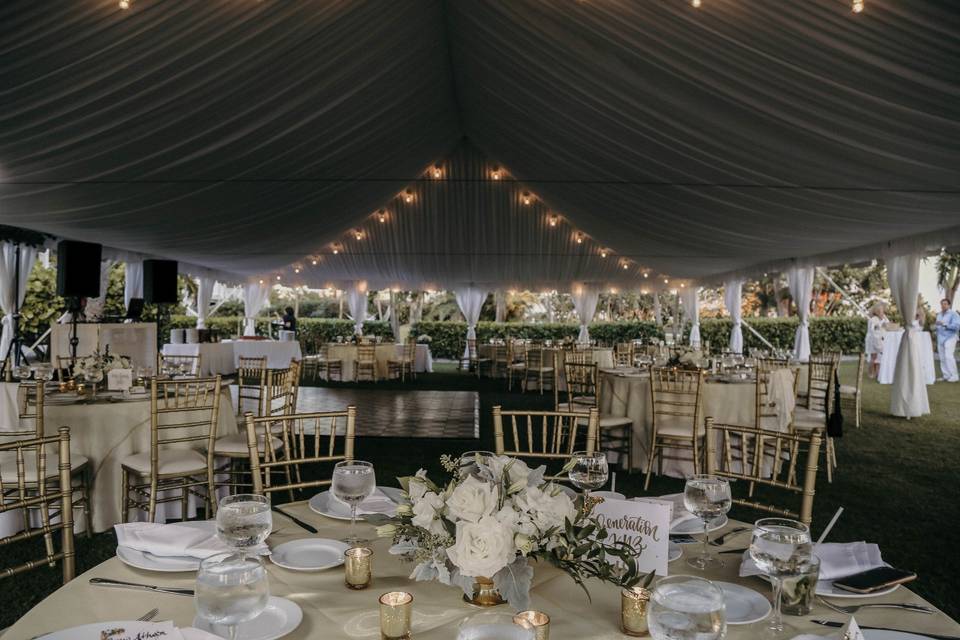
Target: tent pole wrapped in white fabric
x,y
800,282
908,397
255,297
470,300
585,298
732,296
13,290
204,296
357,306
690,299
132,281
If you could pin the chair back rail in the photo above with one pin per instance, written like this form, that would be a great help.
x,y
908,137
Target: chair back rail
x,y
544,435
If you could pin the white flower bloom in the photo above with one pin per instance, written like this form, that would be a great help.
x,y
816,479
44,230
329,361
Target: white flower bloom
x,y
518,468
482,548
472,499
544,509
509,517
427,511
417,486
523,543
404,510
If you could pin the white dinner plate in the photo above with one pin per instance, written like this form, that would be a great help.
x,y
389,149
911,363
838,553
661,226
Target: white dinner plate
x,y
150,562
309,554
744,605
674,551
280,618
826,589
694,526
326,504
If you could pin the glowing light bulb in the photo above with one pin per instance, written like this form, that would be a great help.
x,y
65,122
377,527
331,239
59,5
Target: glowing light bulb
x,y
336,251
125,4
857,6
579,238
665,281
695,3
553,221
313,262
603,253
408,196
526,198
358,234
495,174
278,277
437,172
625,266
382,216
646,275
261,281
682,285
297,270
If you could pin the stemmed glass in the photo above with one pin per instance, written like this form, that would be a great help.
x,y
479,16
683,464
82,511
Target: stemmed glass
x,y
687,608
780,548
244,521
353,482
706,497
93,375
468,465
588,471
231,589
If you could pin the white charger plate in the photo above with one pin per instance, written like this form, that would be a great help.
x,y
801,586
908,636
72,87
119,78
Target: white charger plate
x,y
280,618
744,605
309,554
150,562
327,505
694,526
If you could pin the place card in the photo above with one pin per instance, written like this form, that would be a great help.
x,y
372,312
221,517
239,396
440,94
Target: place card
x,y
645,524
119,379
139,631
852,631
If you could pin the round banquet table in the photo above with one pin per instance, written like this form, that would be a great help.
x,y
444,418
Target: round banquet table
x,y
629,395
888,359
347,354
279,353
600,356
333,612
215,357
106,432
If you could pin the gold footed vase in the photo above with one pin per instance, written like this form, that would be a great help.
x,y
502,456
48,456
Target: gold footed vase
x,y
484,594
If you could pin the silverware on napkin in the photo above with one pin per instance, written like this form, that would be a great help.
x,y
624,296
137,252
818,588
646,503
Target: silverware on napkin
x,y
296,521
937,636
106,582
851,609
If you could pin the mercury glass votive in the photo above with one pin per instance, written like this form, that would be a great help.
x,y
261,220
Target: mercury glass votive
x,y
536,620
357,567
633,611
396,612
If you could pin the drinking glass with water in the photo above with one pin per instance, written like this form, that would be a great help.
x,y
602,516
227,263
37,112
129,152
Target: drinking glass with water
x,y
244,520
588,471
781,549
353,482
231,589
706,497
687,608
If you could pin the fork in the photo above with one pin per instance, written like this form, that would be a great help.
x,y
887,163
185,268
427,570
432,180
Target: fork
x,y
147,617
719,540
851,609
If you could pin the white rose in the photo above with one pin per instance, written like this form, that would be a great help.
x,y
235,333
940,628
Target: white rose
x,y
509,517
472,499
427,512
482,548
544,509
518,468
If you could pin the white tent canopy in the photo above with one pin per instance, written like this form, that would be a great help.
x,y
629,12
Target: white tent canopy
x,y
248,138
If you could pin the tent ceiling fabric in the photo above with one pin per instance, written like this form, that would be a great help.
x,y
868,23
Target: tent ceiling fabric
x,y
246,136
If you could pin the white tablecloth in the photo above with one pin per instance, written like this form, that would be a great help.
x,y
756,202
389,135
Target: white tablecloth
x,y
279,354
888,360
106,432
215,357
347,354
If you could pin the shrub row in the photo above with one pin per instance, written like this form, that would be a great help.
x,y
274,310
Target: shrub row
x,y
312,330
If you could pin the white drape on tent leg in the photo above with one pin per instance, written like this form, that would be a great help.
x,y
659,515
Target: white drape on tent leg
x,y
132,282
690,299
657,309
732,293
94,307
800,282
357,306
394,317
255,297
470,300
204,296
8,300
500,298
908,397
585,304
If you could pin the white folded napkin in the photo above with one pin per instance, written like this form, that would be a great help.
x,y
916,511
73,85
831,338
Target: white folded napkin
x,y
174,540
679,513
837,559
780,392
378,502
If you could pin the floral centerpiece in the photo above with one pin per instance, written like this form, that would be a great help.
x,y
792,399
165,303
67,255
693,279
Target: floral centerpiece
x,y
102,362
690,358
481,530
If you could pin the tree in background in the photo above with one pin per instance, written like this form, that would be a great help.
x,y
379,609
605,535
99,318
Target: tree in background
x,y
948,273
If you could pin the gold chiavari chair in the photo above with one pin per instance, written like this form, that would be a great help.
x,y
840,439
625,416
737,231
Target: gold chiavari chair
x,y
184,366
366,363
52,494
308,438
819,403
541,365
540,437
404,365
769,459
328,365
516,361
623,354
183,415
251,382
474,360
501,360
852,393
767,413
675,416
312,351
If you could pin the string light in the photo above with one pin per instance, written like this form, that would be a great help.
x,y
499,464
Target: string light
x,y
125,4
603,253
278,277
682,285
553,221
626,266
646,275
358,234
665,281
526,198
408,196
313,262
437,171
495,174
336,250
695,3
382,215
579,238
857,6
261,280
297,270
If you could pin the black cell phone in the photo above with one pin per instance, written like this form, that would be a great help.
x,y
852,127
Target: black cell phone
x,y
874,579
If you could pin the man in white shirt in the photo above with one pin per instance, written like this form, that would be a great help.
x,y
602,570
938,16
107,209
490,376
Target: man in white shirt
x,y
948,326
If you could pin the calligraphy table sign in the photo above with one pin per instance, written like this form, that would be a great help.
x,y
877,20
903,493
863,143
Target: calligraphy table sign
x,y
643,523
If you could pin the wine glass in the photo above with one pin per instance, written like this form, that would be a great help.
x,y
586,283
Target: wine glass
x,y
686,608
23,371
353,482
780,548
93,375
231,589
468,464
588,471
244,520
706,497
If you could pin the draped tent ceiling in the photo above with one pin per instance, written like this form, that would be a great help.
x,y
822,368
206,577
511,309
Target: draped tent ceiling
x,y
251,137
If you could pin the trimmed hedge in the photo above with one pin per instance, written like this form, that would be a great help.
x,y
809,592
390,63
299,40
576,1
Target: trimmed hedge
x,y
826,334
311,330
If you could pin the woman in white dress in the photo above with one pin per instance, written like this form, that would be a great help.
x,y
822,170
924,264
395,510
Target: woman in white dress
x,y
874,343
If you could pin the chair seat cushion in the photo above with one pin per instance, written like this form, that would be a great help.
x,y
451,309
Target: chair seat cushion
x,y
541,369
806,419
171,461
676,426
610,421
518,365
236,443
8,466
848,390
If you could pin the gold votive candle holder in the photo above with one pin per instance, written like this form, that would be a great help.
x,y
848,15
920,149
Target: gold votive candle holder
x,y
81,388
536,620
63,387
633,611
357,567
396,613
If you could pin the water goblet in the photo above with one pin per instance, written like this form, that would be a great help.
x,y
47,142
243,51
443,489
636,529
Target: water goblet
x,y
780,548
353,482
588,471
706,497
244,520
470,461
231,589
687,608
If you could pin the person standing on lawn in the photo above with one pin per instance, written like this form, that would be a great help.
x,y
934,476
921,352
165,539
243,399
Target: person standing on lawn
x,y
948,326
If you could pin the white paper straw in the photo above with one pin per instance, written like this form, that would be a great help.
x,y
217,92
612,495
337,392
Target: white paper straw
x,y
833,521
613,482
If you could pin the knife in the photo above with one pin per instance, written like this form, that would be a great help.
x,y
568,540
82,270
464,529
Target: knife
x,y
106,582
296,521
829,623
733,551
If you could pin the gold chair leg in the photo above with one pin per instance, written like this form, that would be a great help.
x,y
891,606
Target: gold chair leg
x,y
184,500
152,504
86,480
653,452
124,496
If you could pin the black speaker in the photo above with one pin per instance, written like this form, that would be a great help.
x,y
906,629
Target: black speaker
x,y
78,269
160,281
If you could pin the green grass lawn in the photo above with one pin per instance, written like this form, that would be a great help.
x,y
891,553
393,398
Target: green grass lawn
x,y
891,481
